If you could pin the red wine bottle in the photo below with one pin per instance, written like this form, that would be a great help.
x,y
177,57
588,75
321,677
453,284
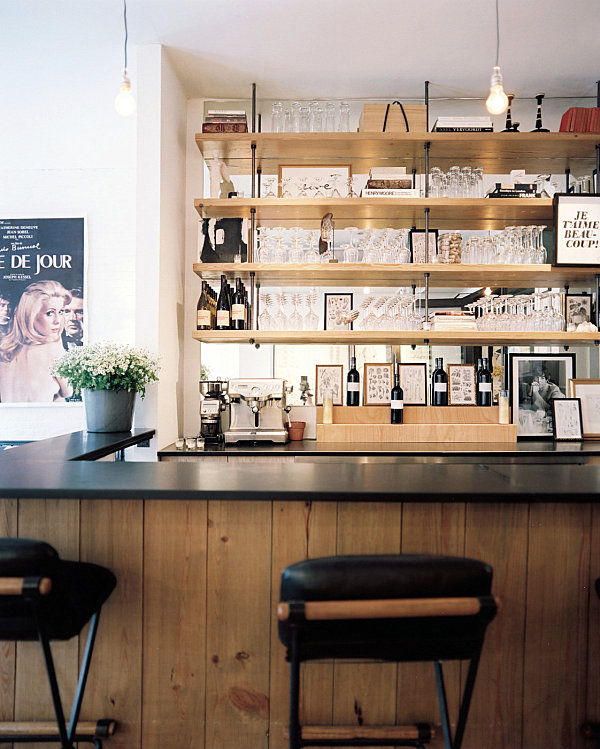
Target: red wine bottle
x,y
483,381
439,385
353,384
396,401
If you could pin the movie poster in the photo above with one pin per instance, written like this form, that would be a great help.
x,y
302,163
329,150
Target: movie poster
x,y
41,305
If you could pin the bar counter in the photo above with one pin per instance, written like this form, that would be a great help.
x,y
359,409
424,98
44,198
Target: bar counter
x,y
187,652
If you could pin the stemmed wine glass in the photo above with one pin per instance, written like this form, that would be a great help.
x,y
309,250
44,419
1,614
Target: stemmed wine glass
x,y
311,319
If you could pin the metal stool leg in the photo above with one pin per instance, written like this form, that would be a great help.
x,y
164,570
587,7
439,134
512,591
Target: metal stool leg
x,y
294,724
439,679
83,674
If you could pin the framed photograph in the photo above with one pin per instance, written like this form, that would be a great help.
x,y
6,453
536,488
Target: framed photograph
x,y
413,381
330,376
576,229
314,181
337,308
461,385
578,309
419,253
377,384
588,392
566,419
535,381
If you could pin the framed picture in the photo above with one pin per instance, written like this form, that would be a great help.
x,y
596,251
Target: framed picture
x,y
576,229
535,381
418,252
588,392
578,309
314,181
337,308
330,377
413,381
461,385
566,419
378,384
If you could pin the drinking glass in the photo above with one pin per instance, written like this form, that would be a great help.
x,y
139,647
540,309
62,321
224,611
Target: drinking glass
x,y
350,253
316,117
304,119
277,117
311,319
330,117
344,123
295,116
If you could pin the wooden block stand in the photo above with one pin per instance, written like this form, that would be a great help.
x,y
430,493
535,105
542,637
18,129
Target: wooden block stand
x,y
421,424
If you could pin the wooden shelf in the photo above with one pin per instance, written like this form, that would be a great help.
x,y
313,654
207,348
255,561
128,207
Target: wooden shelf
x,y
366,274
395,337
378,433
444,213
497,153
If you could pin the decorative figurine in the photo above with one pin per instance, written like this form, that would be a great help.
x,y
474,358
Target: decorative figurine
x,y
538,118
510,127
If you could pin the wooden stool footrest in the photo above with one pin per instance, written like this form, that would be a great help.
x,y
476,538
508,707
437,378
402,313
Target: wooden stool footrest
x,y
421,732
101,729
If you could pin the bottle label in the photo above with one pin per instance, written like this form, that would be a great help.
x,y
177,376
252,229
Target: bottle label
x,y
440,387
485,387
396,404
353,387
223,317
238,312
203,318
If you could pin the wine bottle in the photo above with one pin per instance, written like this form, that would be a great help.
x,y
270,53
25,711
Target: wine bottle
x,y
238,308
439,385
396,401
223,307
203,310
483,380
353,384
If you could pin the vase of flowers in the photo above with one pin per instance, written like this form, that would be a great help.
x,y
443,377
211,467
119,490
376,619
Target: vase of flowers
x,y
109,375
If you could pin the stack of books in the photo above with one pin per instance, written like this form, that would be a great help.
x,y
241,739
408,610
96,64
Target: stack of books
x,y
452,320
463,125
581,120
225,121
389,182
525,190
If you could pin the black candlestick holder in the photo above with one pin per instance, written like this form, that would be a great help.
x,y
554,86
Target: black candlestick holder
x,y
538,118
510,126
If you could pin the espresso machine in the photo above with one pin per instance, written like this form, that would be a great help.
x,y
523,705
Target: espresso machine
x,y
258,410
213,402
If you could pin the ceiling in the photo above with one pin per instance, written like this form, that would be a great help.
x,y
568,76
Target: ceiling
x,y
317,48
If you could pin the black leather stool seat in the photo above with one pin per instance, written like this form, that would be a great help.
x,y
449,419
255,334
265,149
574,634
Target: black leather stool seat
x,y
78,590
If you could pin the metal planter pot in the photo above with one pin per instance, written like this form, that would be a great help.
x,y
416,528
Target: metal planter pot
x,y
108,410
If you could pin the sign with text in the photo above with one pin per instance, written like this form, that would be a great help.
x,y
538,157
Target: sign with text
x,y
577,229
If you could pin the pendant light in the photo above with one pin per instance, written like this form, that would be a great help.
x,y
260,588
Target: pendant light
x,y
124,101
497,101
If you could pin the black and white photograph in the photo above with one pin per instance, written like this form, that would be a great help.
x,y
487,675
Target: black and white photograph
x,y
378,384
419,253
566,419
461,385
329,377
337,311
578,309
413,381
535,381
577,229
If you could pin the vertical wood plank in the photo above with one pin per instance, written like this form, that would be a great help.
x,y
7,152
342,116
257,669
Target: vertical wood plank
x,y
8,529
300,530
112,536
556,627
498,534
365,693
238,624
55,521
430,528
174,653
592,712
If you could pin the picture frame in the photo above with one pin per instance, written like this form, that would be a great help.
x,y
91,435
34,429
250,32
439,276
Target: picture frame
x,y
535,381
378,384
335,305
566,420
329,376
461,385
413,381
578,309
418,250
305,180
588,392
576,229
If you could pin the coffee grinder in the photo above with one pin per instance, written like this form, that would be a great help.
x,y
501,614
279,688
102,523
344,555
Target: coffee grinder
x,y
213,402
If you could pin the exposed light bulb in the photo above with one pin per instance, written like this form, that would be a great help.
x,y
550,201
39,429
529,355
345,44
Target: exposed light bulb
x,y
487,291
497,101
124,101
367,290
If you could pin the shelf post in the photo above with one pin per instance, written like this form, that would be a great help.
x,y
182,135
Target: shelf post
x,y
251,237
597,304
567,175
427,105
426,146
258,177
253,187
426,324
253,301
427,236
254,107
597,174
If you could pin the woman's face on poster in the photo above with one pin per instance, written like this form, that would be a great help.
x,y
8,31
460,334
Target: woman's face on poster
x,y
49,320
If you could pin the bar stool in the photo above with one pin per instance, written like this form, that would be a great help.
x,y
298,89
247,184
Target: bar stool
x,y
45,598
387,607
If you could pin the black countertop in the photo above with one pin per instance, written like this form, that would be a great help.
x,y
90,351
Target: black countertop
x,y
61,468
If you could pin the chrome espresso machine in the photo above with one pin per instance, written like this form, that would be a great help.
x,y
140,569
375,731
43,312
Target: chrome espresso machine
x,y
258,410
213,403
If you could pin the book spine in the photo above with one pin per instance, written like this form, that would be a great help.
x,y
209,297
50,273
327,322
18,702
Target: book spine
x,y
230,112
464,129
390,184
222,120
367,193
224,127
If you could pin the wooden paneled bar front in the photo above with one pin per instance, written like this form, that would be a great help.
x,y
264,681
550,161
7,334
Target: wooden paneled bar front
x,y
187,652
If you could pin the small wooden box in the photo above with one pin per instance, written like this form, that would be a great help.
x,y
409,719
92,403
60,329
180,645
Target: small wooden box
x,y
373,115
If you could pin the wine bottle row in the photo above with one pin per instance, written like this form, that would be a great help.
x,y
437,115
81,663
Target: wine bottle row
x,y
227,310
